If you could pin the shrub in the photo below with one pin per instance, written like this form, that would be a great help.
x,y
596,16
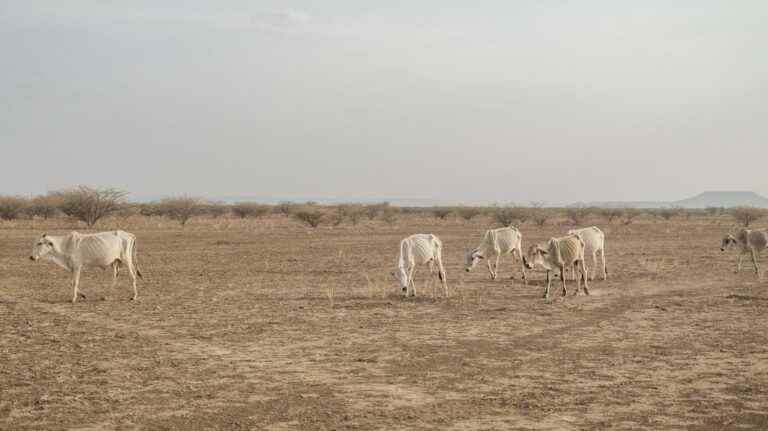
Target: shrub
x,y
612,214
150,209
540,216
372,211
441,213
249,210
214,209
181,208
578,214
389,214
310,217
44,207
468,213
90,205
714,211
507,216
12,207
747,215
667,213
630,214
285,208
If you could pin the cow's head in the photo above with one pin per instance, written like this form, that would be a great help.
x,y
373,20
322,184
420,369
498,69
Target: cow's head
x,y
535,256
728,242
471,259
41,248
401,276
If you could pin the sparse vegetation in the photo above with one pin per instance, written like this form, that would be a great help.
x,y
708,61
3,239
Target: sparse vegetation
x,y
612,214
511,215
12,207
309,216
285,208
181,208
441,213
578,214
468,213
90,205
747,215
630,214
44,207
250,210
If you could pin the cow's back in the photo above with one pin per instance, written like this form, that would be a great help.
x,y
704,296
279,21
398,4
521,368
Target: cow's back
x,y
507,238
423,246
594,238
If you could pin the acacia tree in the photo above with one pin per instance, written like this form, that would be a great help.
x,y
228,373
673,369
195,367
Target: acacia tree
x,y
90,205
181,208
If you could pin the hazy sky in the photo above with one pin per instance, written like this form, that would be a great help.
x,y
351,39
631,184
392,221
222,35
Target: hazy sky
x,y
479,101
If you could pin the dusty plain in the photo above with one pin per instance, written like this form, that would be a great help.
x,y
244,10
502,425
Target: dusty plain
x,y
266,324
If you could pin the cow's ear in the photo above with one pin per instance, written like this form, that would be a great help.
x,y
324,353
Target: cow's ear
x,y
44,235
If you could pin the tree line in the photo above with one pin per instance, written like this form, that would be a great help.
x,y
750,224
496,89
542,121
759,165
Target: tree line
x,y
89,205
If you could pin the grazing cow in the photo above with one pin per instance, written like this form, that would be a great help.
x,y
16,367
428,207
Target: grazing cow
x,y
748,241
559,253
495,243
416,250
594,241
101,250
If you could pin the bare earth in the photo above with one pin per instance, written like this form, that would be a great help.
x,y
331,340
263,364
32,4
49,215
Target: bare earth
x,y
269,325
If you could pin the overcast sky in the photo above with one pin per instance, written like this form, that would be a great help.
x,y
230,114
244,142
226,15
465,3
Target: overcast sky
x,y
473,102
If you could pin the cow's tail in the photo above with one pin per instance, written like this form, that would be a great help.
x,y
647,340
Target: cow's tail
x,y
134,258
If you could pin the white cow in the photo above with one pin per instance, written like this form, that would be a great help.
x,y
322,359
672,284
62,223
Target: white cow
x,y
416,250
559,253
101,250
594,241
495,243
748,241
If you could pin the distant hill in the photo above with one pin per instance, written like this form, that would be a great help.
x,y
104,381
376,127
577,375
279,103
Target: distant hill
x,y
725,199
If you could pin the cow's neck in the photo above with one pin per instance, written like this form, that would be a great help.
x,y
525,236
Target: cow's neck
x,y
57,256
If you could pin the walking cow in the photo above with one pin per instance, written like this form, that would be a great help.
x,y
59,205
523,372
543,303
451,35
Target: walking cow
x,y
495,243
559,253
75,251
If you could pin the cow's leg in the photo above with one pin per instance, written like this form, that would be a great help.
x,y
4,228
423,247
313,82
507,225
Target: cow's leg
x,y
75,284
490,268
584,276
411,272
738,262
605,268
515,256
549,283
562,272
593,273
754,262
132,273
496,267
115,273
573,272
441,276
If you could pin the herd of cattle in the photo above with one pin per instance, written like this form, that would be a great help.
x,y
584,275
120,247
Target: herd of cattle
x,y
116,249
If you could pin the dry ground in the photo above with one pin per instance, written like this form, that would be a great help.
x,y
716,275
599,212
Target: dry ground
x,y
268,325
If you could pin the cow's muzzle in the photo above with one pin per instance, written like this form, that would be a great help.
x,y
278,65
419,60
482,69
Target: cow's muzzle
x,y
32,258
